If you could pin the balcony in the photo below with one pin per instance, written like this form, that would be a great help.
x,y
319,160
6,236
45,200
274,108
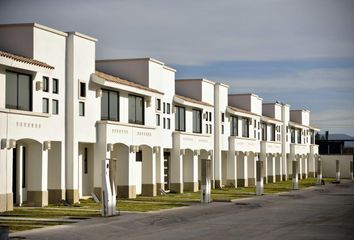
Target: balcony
x,y
271,147
192,141
128,134
314,149
245,144
299,148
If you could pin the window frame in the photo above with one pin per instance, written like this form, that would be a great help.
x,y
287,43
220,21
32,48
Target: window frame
x,y
178,119
195,122
143,109
57,106
45,82
109,117
18,106
47,109
233,123
85,90
81,103
246,134
55,82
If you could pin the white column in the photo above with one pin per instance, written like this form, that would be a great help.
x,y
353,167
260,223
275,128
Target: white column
x,y
19,175
177,170
160,181
271,168
148,172
231,173
263,158
242,176
251,169
299,160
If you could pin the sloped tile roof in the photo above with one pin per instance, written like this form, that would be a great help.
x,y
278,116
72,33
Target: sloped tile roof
x,y
192,100
242,111
116,79
25,60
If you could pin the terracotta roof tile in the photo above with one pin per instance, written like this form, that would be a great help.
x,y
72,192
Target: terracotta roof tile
x,y
25,60
192,100
116,79
242,111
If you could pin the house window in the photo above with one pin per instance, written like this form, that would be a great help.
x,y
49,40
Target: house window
x,y
23,166
206,128
82,89
164,107
168,123
139,156
222,129
158,104
45,84
298,132
197,121
55,85
164,123
85,161
264,131
210,116
180,119
18,91
110,105
168,108
55,107
210,129
222,117
45,105
136,109
272,132
245,127
157,119
292,131
81,109
234,126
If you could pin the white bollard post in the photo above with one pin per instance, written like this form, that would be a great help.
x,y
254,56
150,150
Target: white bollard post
x,y
295,180
108,188
337,171
205,191
259,184
319,172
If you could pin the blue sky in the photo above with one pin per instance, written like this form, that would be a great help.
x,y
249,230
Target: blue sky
x,y
296,51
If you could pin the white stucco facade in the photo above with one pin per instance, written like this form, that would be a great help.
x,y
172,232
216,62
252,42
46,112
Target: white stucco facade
x,y
62,112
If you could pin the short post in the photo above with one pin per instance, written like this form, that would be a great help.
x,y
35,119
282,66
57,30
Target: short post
x,y
259,184
295,178
319,172
108,188
205,191
337,171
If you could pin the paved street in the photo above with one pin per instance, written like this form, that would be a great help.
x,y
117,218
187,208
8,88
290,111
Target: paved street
x,y
325,212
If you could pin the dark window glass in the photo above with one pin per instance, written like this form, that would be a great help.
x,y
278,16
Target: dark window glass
x,y
109,105
234,126
158,104
164,123
139,156
45,84
158,119
298,131
222,129
164,107
85,161
264,131
23,167
82,89
180,119
292,132
81,109
18,91
197,121
136,109
168,108
45,105
272,132
210,129
55,107
210,116
222,117
245,127
55,85
168,123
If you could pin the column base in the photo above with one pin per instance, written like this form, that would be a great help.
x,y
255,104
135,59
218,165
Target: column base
x,y
278,178
231,183
176,187
37,198
158,187
190,186
124,191
271,179
218,184
148,190
251,182
54,195
242,182
6,202
72,195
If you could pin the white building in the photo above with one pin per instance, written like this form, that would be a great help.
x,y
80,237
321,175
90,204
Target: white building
x,y
62,112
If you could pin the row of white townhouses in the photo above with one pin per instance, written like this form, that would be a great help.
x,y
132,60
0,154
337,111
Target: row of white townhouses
x,y
62,112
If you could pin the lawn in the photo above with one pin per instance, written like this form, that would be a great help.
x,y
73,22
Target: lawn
x,y
87,208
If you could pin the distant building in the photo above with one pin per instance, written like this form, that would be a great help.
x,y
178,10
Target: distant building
x,y
335,143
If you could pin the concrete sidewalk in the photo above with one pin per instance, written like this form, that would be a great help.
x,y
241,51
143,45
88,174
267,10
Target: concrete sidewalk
x,y
321,212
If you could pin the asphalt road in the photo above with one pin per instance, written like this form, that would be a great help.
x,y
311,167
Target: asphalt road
x,y
323,212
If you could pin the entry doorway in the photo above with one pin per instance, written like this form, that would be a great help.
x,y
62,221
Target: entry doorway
x,y
166,170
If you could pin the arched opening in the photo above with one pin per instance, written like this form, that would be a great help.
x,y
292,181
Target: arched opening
x,y
270,168
203,154
278,167
147,170
190,170
30,166
56,173
85,168
242,170
251,168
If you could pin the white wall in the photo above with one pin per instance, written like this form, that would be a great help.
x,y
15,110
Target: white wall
x,y
329,165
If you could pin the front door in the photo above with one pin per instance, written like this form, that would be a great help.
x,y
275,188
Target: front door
x,y
166,170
